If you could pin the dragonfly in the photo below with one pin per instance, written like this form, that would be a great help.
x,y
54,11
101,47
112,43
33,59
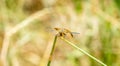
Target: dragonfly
x,y
63,32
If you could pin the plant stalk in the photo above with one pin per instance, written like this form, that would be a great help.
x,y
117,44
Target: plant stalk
x,y
73,45
51,53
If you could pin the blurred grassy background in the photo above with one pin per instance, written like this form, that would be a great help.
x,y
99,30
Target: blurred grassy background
x,y
97,21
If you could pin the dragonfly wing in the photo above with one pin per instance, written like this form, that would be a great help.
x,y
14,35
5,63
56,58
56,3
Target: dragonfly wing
x,y
75,33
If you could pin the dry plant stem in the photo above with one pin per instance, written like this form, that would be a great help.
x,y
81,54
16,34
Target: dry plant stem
x,y
22,24
83,51
4,50
51,53
29,20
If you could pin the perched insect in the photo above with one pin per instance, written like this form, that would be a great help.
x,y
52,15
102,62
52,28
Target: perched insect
x,y
62,32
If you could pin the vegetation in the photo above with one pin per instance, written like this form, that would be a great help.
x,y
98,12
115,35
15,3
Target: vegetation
x,y
27,34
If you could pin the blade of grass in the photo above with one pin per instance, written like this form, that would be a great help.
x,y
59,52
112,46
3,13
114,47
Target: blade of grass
x,y
51,53
73,45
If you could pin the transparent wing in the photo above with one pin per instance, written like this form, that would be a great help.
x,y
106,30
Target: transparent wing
x,y
75,33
